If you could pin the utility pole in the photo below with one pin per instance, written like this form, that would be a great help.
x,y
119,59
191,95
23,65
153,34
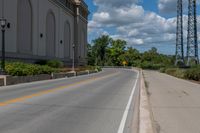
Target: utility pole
x,y
192,44
179,35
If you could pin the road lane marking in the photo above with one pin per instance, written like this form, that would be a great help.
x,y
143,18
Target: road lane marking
x,y
23,98
125,114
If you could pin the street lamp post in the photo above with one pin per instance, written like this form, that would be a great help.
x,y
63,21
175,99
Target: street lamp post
x,y
3,29
73,61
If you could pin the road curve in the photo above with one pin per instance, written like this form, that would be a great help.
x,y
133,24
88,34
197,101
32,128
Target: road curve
x,y
88,104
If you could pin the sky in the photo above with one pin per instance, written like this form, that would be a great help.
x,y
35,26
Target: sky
x,y
142,23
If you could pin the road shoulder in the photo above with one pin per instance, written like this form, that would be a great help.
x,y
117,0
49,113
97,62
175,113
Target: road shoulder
x,y
145,115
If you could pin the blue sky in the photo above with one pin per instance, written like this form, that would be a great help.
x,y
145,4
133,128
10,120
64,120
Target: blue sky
x,y
142,23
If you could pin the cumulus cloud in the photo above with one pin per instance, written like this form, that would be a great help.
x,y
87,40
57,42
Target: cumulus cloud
x,y
170,6
115,3
167,6
133,24
119,16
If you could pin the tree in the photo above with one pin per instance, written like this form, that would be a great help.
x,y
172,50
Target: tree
x,y
99,49
106,51
150,55
116,50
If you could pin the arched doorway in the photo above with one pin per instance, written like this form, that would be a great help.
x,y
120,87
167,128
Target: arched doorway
x,y
24,24
50,34
67,40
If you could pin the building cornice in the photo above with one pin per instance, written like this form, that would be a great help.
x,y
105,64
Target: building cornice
x,y
71,5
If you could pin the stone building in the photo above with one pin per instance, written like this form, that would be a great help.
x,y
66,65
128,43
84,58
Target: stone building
x,y
46,30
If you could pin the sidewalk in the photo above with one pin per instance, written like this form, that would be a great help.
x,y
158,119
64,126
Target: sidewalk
x,y
175,103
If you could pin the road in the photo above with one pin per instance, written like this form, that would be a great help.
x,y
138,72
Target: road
x,y
98,103
175,103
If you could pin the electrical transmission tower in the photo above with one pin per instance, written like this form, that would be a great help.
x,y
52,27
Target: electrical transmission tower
x,y
192,44
179,34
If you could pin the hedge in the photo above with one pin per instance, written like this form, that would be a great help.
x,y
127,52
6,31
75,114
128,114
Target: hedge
x,y
193,74
25,69
190,73
151,66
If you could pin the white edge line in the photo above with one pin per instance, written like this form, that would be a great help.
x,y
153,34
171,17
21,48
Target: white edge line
x,y
125,115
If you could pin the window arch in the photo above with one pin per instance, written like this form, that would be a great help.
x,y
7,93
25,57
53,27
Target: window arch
x,y
24,24
50,34
67,40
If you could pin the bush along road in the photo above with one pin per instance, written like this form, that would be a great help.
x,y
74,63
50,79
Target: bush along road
x,y
19,72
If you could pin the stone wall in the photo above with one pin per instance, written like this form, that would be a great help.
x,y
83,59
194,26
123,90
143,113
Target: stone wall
x,y
38,47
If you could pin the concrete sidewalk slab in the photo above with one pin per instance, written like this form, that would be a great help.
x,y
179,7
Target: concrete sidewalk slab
x,y
175,103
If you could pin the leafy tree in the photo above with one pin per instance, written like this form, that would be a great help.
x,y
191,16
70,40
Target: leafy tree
x,y
109,52
99,49
150,55
132,56
116,50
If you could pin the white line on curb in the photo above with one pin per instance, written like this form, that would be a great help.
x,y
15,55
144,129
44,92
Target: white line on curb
x,y
125,115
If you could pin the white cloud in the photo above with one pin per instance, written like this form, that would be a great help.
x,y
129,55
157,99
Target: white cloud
x,y
170,6
115,3
114,16
167,6
133,23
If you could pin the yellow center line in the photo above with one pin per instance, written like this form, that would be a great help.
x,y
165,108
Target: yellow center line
x,y
41,93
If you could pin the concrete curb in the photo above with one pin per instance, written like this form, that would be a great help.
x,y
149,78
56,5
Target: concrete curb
x,y
14,80
145,117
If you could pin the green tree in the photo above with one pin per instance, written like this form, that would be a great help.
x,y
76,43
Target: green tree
x,y
150,55
116,50
99,49
106,51
132,56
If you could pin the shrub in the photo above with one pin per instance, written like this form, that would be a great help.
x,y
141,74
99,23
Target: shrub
x,y
25,69
163,69
90,67
55,63
193,74
98,68
171,71
180,73
149,65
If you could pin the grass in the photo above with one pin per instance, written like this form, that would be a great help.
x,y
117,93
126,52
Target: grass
x,y
192,73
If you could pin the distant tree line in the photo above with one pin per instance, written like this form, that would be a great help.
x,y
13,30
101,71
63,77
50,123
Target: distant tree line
x,y
105,51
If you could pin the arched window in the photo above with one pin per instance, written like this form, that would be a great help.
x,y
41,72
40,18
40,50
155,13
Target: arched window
x,y
24,24
67,40
50,34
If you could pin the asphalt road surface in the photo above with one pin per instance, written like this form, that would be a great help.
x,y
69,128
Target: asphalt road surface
x,y
98,103
175,103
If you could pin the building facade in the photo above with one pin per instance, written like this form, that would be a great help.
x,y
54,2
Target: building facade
x,y
46,30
